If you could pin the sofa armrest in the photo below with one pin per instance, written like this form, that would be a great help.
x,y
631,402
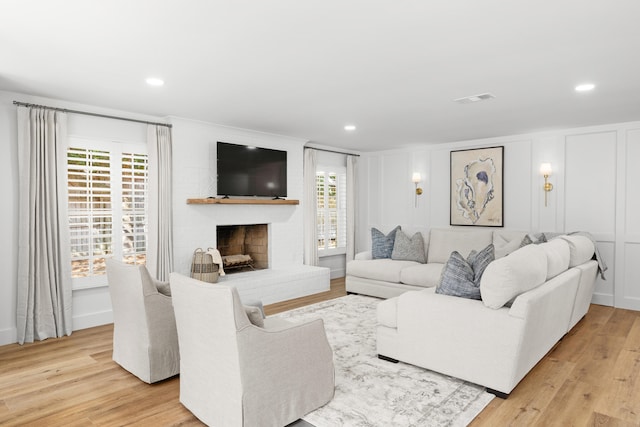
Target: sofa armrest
x,y
364,255
481,345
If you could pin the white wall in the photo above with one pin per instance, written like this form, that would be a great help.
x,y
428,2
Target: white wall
x,y
594,191
194,176
8,219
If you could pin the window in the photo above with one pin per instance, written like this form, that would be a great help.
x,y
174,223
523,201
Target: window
x,y
107,185
331,188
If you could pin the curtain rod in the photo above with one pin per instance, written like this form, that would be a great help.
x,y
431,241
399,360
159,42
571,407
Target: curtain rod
x,y
331,151
85,113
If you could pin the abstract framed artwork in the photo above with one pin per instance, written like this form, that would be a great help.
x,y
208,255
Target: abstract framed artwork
x,y
477,187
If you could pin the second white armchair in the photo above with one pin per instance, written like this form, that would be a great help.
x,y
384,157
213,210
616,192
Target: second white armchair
x,y
235,373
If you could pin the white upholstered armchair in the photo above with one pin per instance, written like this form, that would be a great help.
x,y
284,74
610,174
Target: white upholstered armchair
x,y
145,340
235,373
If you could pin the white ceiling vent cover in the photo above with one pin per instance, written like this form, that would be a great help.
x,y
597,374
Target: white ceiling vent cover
x,y
475,98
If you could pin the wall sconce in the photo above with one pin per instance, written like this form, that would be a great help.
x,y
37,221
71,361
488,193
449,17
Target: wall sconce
x,y
416,178
545,170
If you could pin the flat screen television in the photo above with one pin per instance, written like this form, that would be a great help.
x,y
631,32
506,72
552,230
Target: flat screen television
x,y
251,171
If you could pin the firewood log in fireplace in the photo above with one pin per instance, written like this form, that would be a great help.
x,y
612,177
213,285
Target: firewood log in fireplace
x,y
237,261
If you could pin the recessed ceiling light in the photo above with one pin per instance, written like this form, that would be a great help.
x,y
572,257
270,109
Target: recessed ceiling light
x,y
154,81
350,128
586,87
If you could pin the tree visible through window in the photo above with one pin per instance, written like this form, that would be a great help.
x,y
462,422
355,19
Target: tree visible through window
x,y
331,190
107,187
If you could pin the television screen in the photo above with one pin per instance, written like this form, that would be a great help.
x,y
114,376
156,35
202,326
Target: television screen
x,y
251,171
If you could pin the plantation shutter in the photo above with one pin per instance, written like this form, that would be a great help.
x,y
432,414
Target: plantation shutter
x,y
90,210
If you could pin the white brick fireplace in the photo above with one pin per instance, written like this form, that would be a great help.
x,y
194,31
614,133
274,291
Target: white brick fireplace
x,y
195,225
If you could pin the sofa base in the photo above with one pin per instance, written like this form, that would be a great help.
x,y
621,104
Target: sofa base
x,y
497,393
377,288
387,359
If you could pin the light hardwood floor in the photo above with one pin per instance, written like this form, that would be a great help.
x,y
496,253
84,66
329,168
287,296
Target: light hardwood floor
x,y
592,377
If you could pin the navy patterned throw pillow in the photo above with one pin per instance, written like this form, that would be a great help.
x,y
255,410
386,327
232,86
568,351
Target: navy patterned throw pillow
x,y
381,245
461,277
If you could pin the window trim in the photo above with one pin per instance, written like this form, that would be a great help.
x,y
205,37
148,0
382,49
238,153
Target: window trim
x,y
340,171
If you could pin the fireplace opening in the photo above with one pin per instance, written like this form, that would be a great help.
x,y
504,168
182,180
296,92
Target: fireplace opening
x,y
243,247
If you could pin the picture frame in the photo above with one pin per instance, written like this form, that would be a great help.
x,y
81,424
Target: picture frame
x,y
477,187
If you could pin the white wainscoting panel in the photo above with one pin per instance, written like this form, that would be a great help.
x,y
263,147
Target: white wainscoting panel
x,y
590,182
604,290
631,276
632,199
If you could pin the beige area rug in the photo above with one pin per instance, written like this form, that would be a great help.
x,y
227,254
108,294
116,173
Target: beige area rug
x,y
373,392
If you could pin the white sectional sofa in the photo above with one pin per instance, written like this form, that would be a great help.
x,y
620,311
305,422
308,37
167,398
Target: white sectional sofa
x,y
530,299
386,278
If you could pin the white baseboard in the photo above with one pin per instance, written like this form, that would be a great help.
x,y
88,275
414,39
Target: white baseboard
x,y
602,299
8,336
340,272
93,319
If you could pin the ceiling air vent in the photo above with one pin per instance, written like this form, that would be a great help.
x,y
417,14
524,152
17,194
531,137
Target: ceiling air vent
x,y
474,98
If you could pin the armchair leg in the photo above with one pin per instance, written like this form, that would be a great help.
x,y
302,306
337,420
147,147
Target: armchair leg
x,y
387,359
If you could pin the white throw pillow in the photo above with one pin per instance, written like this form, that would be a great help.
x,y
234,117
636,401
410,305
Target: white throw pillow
x,y
557,251
506,242
581,249
506,278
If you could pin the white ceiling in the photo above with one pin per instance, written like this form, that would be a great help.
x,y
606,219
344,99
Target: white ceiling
x,y
305,68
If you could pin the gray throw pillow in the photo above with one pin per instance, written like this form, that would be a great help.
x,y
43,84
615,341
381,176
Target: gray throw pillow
x,y
381,245
461,277
255,315
164,288
535,239
408,249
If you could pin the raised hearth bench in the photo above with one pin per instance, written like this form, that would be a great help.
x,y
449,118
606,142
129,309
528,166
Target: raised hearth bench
x,y
275,285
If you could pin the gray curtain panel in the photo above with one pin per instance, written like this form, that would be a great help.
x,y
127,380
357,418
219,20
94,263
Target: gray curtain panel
x,y
352,190
44,262
310,204
160,244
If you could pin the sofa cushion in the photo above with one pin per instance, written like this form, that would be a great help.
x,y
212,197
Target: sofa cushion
x,y
363,255
508,277
557,252
460,277
386,270
408,248
581,249
444,241
425,275
381,245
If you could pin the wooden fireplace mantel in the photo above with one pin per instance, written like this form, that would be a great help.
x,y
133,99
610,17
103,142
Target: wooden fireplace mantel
x,y
211,201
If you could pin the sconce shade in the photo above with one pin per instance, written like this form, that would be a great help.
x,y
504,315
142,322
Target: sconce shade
x,y
545,169
416,177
